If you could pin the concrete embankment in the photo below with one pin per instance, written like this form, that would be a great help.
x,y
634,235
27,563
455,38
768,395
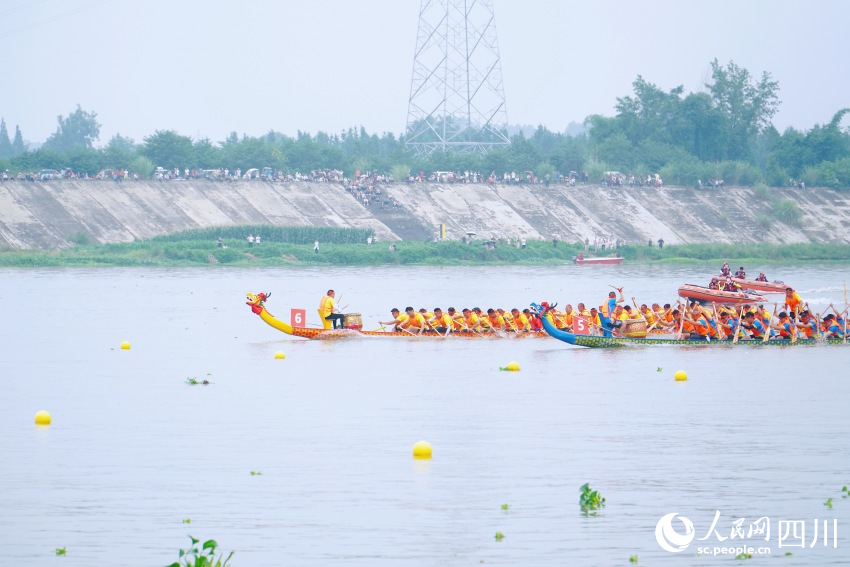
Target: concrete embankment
x,y
47,215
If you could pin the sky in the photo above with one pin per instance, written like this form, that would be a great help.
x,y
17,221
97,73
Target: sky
x,y
208,68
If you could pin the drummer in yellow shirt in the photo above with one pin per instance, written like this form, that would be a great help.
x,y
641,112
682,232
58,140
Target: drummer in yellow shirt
x,y
329,312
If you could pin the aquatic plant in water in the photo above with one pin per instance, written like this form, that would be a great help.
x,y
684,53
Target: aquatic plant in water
x,y
203,557
633,559
500,536
60,551
590,500
505,507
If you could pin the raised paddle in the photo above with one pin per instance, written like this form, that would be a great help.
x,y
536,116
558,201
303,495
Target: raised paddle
x,y
766,332
738,326
637,309
721,334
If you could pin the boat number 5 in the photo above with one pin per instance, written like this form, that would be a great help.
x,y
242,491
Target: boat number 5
x,y
580,325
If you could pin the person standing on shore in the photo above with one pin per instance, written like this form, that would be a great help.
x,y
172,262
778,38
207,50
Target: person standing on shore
x,y
316,246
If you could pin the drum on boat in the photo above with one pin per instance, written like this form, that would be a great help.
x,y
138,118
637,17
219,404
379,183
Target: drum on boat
x,y
353,321
634,328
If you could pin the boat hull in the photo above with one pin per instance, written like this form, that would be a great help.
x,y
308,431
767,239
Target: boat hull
x,y
705,295
592,261
763,287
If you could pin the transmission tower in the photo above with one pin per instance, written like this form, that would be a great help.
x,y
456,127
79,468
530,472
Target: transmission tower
x,y
457,100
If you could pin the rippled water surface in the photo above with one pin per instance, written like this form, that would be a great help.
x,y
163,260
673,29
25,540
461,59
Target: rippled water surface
x,y
133,450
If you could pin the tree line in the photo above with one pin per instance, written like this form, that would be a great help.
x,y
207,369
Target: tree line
x,y
722,132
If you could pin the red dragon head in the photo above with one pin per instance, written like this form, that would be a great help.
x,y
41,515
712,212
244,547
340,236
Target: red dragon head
x,y
257,301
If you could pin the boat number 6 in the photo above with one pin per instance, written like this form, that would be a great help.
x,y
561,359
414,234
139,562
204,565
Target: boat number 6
x,y
297,317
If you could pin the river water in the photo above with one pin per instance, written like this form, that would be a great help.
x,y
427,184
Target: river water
x,y
133,450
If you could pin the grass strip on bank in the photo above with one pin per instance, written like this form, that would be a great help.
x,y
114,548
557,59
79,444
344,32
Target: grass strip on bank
x,y
193,249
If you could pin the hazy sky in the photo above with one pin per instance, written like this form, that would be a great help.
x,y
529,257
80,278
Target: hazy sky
x,y
206,68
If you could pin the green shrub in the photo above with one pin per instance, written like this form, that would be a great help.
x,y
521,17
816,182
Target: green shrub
x,y
80,238
787,211
761,191
764,221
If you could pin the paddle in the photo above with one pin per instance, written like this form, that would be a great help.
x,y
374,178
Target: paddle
x,y
638,311
721,333
738,326
767,329
659,318
681,324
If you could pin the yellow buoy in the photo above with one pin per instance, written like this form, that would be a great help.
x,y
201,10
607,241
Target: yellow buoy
x,y
422,450
279,355
125,346
512,366
680,376
42,418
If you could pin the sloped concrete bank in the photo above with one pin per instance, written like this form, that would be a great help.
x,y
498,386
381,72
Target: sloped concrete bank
x,y
46,215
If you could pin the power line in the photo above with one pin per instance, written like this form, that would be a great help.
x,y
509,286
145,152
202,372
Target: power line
x,y
49,19
21,7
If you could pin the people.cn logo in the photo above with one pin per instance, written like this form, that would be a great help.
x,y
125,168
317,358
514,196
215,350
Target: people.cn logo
x,y
670,539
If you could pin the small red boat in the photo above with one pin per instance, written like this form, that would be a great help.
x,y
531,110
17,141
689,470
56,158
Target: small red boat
x,y
706,295
764,287
581,260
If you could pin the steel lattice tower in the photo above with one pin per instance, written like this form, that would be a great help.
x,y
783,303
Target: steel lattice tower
x,y
457,100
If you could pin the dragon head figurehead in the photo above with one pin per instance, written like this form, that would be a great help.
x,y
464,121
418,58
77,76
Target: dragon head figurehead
x,y
541,309
257,301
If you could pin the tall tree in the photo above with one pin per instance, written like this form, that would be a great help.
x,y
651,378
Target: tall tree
x,y
5,144
747,107
651,113
119,152
167,148
18,146
78,131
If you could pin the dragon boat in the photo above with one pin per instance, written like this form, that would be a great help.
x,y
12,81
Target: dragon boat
x,y
592,341
256,301
720,297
